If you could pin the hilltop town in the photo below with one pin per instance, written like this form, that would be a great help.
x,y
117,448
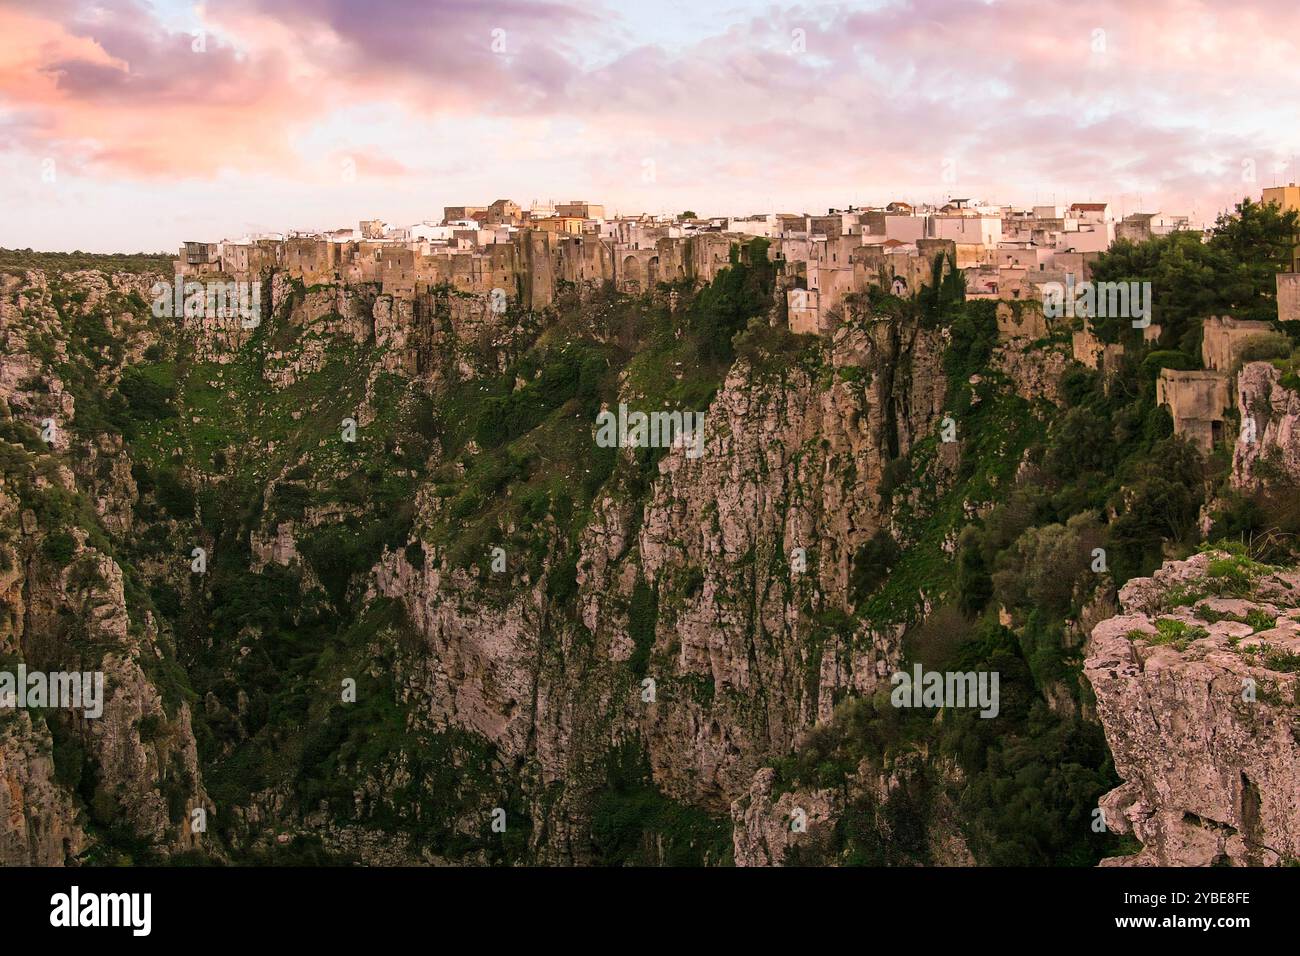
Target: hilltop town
x,y
1006,253
509,254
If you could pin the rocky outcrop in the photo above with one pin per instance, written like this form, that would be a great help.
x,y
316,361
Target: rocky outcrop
x,y
1197,683
280,548
479,671
141,747
776,826
1035,374
39,824
791,461
767,826
1268,445
767,521
320,319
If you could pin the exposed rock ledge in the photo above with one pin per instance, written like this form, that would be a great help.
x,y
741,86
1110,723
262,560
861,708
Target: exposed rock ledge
x,y
1201,715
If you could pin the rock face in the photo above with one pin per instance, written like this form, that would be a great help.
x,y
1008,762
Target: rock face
x,y
797,826
1197,689
1268,446
349,677
64,596
39,824
767,827
147,775
710,622
789,465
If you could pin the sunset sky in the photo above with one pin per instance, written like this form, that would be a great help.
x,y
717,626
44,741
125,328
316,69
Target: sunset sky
x,y
131,126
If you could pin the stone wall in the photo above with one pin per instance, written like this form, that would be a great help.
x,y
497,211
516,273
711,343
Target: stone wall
x,y
1288,296
1222,338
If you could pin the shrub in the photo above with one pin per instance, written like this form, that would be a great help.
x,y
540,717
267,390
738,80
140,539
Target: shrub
x,y
974,584
149,395
872,563
562,582
176,497
1178,634
1263,347
1043,568
575,371
59,548
1169,358
934,642
763,345
642,616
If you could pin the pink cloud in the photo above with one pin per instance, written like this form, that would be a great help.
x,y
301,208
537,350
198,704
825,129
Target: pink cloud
x,y
1163,95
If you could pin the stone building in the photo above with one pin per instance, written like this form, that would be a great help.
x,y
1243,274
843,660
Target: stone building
x,y
803,310
1197,401
1095,353
199,253
580,210
1022,320
1222,338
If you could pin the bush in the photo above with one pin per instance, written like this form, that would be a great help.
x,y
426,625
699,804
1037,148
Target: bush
x,y
738,293
1168,358
1263,347
1079,443
562,582
642,616
872,563
974,584
574,371
1041,571
762,345
176,497
934,642
59,547
149,395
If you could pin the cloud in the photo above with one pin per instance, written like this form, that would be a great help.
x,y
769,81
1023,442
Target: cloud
x,y
513,55
795,103
120,94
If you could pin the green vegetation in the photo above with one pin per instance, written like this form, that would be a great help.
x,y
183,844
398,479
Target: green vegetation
x,y
1257,618
872,564
1284,661
1231,274
512,466
58,548
643,613
1171,631
14,260
633,824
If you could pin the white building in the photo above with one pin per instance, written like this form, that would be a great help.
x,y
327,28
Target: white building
x,y
968,230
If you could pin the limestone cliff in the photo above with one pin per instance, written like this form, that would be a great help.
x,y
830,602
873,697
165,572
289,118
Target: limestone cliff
x,y
1197,687
1268,446
65,595
364,588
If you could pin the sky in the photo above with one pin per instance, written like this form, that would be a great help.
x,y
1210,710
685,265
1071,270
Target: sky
x,y
133,126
